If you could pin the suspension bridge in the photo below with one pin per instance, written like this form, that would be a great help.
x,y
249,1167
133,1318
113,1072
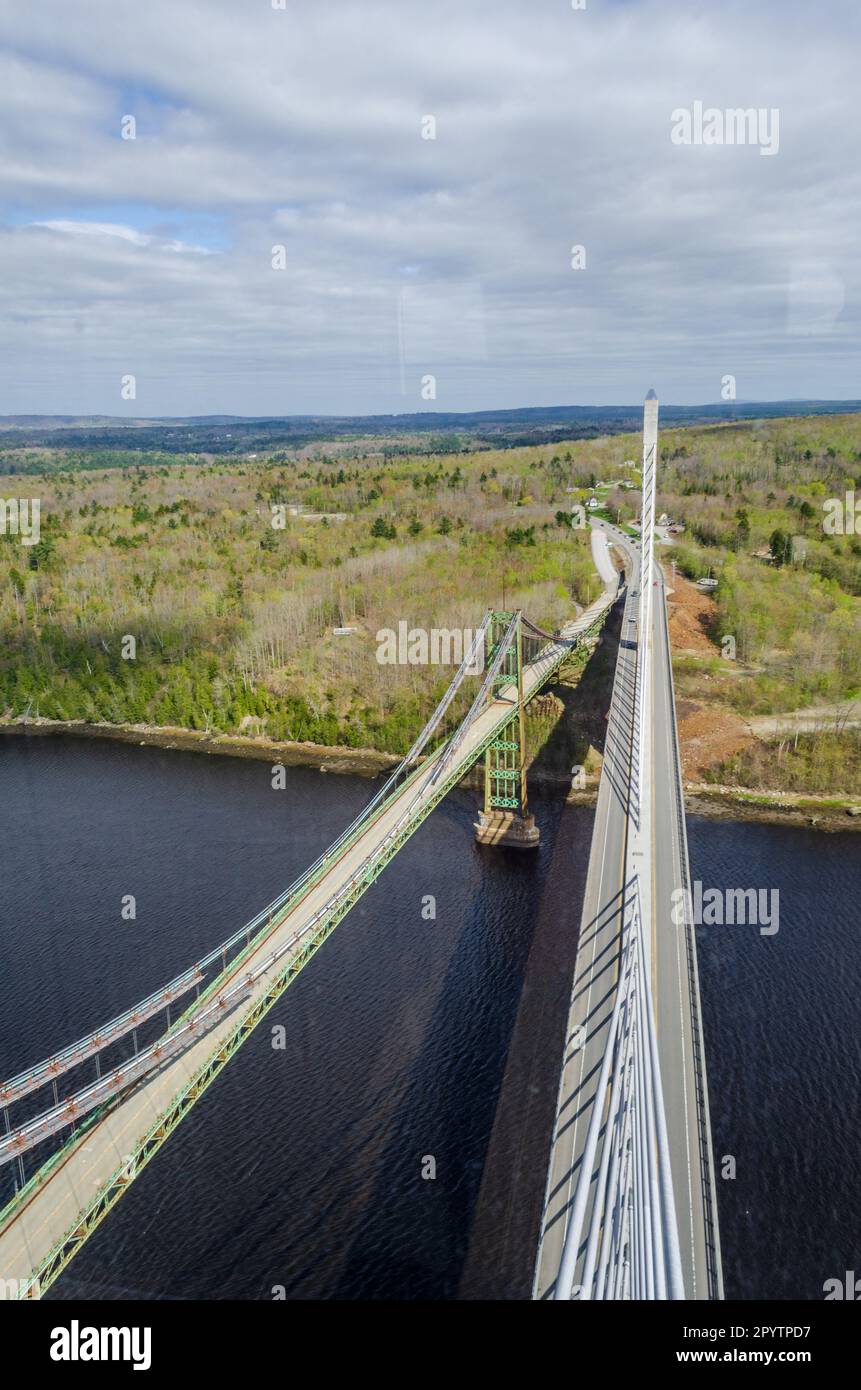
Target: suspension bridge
x,y
630,1202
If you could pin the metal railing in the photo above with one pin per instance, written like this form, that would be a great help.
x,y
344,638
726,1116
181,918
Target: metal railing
x,y
629,1247
713,1254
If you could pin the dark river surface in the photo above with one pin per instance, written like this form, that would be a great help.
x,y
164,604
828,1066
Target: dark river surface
x,y
301,1169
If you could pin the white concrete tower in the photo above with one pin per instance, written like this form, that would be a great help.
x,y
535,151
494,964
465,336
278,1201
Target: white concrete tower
x,y
640,841
647,519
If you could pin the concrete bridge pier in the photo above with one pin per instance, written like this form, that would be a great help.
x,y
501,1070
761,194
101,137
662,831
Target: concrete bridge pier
x,y
508,829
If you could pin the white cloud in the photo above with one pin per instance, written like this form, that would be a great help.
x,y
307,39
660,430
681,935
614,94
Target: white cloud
x,y
115,229
303,127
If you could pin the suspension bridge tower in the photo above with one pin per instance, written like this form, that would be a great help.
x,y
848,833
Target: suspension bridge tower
x,y
505,819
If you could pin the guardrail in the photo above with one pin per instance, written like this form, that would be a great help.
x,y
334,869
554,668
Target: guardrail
x,y
712,1237
62,1062
632,1240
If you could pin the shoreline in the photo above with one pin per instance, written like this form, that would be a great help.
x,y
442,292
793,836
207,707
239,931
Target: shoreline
x,y
836,812
364,762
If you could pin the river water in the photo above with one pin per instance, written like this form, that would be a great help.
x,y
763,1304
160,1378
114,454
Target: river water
x,y
412,1045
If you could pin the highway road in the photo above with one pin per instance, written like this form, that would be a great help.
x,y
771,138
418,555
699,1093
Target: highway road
x,y
92,1163
674,987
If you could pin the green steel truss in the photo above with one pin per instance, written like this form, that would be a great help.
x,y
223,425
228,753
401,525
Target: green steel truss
x,y
505,756
499,740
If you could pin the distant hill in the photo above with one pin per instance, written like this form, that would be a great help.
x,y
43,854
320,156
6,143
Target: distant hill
x,y
437,430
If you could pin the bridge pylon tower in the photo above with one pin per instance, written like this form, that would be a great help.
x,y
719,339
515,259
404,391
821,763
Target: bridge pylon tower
x,y
505,819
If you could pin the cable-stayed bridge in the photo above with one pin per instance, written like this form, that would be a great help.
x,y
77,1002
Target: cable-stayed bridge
x,y
630,1207
79,1126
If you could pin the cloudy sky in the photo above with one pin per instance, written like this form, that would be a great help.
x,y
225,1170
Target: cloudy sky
x,y
406,257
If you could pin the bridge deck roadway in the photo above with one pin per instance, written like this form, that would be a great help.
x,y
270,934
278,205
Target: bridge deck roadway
x,y
38,1224
674,985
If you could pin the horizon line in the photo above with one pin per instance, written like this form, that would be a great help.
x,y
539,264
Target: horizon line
x,y
723,406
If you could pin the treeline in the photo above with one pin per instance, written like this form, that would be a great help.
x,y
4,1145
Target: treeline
x,y
230,601
232,596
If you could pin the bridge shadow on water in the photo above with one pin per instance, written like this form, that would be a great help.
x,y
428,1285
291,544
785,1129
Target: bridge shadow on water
x,y
446,1110
480,1094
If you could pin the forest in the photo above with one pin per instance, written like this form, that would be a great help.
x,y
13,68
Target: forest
x,y
232,617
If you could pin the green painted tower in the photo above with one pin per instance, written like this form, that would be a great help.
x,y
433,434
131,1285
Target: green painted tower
x,y
505,819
